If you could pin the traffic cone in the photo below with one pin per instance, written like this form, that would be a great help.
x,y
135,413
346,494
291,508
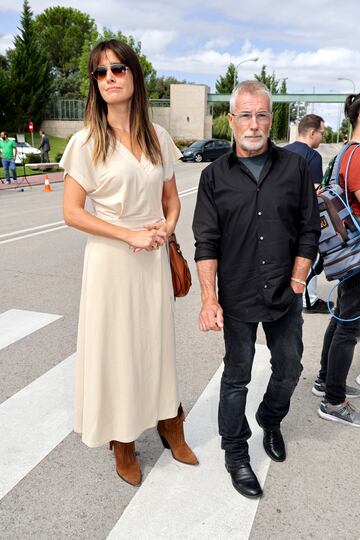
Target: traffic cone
x,y
47,185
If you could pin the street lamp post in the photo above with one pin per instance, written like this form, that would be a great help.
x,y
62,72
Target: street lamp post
x,y
254,59
350,80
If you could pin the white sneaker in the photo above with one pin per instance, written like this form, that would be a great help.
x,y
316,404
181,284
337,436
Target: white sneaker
x,y
358,379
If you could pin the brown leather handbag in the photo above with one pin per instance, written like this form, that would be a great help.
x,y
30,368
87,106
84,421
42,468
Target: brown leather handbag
x,y
180,273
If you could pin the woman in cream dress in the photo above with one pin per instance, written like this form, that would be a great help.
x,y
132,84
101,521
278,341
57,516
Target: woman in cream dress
x,y
126,375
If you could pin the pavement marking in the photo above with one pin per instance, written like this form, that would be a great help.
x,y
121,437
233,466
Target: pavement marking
x,y
15,324
34,421
14,233
58,225
178,501
33,234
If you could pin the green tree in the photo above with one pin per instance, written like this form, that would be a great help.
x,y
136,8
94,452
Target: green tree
x,y
5,113
282,116
225,85
345,130
146,66
62,31
329,135
280,110
297,111
30,74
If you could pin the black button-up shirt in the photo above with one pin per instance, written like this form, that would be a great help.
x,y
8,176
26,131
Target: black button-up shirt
x,y
255,230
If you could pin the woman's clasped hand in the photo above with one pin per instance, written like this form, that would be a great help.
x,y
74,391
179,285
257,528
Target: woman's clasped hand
x,y
148,239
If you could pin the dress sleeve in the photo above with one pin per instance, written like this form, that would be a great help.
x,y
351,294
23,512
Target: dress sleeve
x,y
77,161
170,152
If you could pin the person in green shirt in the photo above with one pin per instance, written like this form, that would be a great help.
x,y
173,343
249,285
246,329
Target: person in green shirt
x,y
8,154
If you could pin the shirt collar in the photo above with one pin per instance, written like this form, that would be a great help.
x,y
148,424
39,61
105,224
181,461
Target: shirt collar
x,y
233,158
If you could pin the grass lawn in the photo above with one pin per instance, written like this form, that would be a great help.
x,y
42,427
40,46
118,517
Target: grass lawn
x,y
57,144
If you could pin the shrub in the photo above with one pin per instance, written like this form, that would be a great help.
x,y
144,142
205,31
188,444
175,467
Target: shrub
x,y
58,156
182,143
33,158
221,129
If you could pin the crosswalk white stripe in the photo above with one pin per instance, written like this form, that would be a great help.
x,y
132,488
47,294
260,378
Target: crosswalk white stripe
x,y
34,421
32,229
32,234
178,501
17,323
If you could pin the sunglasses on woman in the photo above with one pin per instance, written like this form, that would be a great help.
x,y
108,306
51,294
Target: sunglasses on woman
x,y
118,70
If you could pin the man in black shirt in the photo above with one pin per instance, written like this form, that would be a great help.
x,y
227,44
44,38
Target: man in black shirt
x,y
256,227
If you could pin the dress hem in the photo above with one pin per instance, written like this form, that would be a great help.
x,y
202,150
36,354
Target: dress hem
x,y
91,444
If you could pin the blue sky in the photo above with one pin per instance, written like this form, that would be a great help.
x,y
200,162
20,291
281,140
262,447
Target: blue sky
x,y
311,43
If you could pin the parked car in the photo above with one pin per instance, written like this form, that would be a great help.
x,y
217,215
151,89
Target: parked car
x,y
205,150
22,149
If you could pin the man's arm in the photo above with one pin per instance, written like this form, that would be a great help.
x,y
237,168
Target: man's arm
x,y
299,273
207,236
211,314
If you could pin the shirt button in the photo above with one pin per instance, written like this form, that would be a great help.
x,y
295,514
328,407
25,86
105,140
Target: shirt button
x,y
261,238
259,213
263,262
265,286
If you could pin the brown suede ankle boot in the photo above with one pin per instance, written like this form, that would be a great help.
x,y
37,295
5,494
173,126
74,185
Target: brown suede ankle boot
x,y
171,432
127,466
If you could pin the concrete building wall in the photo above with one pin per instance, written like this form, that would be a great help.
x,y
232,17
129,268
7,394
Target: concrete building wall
x,y
161,116
188,116
293,134
61,128
188,110
208,126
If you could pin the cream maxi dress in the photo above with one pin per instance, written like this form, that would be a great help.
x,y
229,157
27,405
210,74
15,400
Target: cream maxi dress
x,y
125,375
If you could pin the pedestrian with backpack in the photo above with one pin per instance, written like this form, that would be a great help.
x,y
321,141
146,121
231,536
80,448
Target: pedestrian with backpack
x,y
344,327
311,131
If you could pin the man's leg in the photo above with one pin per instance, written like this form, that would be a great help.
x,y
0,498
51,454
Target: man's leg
x,y
318,388
6,164
284,339
13,169
239,354
340,355
341,350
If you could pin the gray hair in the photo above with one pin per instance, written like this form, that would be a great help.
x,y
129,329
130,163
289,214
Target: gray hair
x,y
249,87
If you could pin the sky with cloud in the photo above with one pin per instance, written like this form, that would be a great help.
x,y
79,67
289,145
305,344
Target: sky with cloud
x,y
310,43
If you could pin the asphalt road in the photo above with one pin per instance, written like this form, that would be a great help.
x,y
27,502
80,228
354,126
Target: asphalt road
x,y
73,492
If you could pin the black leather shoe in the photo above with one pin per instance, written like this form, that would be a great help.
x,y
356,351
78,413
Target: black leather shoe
x,y
273,442
244,480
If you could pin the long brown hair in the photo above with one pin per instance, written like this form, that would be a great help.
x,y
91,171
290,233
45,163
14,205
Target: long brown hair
x,y
141,130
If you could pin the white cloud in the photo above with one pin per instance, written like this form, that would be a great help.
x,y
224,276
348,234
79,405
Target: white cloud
x,y
6,41
154,41
311,50
220,43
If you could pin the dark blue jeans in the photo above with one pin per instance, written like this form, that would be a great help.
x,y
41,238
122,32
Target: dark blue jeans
x,y
9,164
284,339
340,340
